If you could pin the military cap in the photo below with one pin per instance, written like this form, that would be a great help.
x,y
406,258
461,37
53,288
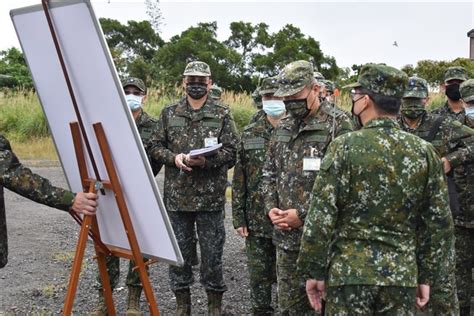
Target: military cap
x,y
329,85
294,78
318,76
269,86
467,90
417,88
382,80
455,73
215,92
131,81
197,68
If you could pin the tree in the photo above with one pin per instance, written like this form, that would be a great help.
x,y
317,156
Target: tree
x,y
197,43
131,45
433,71
13,70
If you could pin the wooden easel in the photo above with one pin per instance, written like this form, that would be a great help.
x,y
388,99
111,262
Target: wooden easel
x,y
89,226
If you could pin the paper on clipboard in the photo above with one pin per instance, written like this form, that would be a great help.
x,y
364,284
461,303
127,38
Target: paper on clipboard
x,y
207,151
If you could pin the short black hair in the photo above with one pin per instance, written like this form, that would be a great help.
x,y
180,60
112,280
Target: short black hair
x,y
384,104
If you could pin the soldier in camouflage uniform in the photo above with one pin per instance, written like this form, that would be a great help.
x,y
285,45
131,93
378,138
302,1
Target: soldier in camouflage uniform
x,y
19,179
215,92
294,155
453,107
464,222
379,223
135,95
249,219
257,102
454,144
194,189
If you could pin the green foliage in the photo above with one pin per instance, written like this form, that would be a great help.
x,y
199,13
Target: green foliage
x,y
14,72
433,71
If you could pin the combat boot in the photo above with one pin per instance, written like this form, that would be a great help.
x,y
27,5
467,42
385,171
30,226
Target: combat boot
x,y
183,302
101,308
214,303
133,301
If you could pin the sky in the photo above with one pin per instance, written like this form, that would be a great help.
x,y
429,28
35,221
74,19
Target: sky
x,y
352,32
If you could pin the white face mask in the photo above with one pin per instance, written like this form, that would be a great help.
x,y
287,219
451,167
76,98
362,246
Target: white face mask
x,y
274,108
134,101
470,112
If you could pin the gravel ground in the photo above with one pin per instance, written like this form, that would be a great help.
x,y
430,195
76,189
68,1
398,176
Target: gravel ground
x,y
42,242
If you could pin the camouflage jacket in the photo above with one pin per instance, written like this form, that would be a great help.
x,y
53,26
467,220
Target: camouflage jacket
x,y
464,178
181,129
445,110
380,211
146,126
257,116
247,198
285,184
21,180
452,140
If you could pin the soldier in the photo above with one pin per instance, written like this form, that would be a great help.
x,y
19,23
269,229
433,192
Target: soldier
x,y
294,155
194,189
453,143
464,222
135,95
453,77
257,103
379,222
249,219
21,180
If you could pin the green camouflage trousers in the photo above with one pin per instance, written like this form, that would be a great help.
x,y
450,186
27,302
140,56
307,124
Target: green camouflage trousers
x,y
465,268
211,236
113,268
370,300
292,299
261,265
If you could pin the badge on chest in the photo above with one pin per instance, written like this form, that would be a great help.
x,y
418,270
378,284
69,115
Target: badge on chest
x,y
312,163
210,141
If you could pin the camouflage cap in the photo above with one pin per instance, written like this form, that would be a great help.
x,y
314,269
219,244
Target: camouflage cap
x,y
467,90
131,81
455,73
381,79
215,92
330,86
417,88
197,68
294,78
318,76
269,86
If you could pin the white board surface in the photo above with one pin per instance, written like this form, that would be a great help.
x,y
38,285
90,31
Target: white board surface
x,y
100,98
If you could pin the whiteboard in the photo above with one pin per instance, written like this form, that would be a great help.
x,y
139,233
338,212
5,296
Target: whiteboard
x,y
100,98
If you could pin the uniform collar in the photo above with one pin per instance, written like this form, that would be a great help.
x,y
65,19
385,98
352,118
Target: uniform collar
x,y
381,122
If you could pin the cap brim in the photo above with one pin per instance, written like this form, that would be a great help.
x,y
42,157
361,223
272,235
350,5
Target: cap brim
x,y
268,91
196,74
133,85
414,94
469,98
287,92
454,78
352,85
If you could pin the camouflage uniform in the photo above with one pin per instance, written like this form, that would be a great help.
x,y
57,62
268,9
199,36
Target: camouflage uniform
x,y
215,92
453,141
464,222
287,185
146,126
362,235
197,196
21,180
247,208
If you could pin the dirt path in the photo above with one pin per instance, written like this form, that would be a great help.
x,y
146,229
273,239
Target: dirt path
x,y
42,242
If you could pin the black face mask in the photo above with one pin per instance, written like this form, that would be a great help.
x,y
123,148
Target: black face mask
x,y
356,118
452,92
297,108
412,109
196,90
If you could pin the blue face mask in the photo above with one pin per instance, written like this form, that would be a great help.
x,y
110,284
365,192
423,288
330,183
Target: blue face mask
x,y
470,112
134,101
273,108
